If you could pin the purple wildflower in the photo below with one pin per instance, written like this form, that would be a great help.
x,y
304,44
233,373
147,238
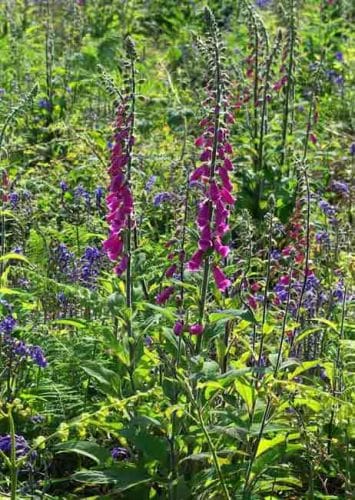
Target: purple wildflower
x,y
150,183
21,445
327,208
119,453
63,186
322,237
340,187
7,325
14,198
161,198
37,356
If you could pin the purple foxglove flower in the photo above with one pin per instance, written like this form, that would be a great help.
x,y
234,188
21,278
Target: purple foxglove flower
x,y
178,328
164,295
223,250
195,262
169,273
122,266
196,329
222,282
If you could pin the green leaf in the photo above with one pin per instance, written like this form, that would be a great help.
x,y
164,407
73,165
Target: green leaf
x,y
267,444
164,311
247,393
86,448
77,323
122,478
14,256
108,380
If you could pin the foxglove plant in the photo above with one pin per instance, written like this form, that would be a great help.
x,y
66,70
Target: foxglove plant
x,y
213,173
120,198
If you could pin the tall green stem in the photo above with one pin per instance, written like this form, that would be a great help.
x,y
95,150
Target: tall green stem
x,y
290,83
13,469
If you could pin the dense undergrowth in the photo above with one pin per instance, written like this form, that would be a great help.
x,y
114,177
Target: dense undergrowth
x,y
176,266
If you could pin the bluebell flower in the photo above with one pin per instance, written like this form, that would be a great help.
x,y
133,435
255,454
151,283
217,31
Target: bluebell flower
x,y
340,187
63,186
275,254
263,4
37,419
44,104
62,299
7,325
161,198
352,149
81,193
339,56
14,199
119,453
327,208
89,266
338,292
150,183
99,193
322,237
21,445
20,348
37,356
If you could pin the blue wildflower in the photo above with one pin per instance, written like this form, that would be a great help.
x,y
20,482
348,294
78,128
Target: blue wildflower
x,y
14,199
44,104
21,445
63,186
37,356
119,453
7,325
340,187
327,208
150,183
322,237
161,198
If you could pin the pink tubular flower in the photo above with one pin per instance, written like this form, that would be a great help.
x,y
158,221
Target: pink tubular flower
x,y
195,262
169,273
178,328
122,266
222,282
120,200
202,171
164,295
113,246
223,250
196,329
215,172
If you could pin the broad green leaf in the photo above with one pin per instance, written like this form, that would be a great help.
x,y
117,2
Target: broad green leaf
x,y
267,444
108,380
123,478
87,448
247,393
70,322
14,256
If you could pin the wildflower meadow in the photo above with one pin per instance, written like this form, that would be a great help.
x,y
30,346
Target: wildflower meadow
x,y
176,265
